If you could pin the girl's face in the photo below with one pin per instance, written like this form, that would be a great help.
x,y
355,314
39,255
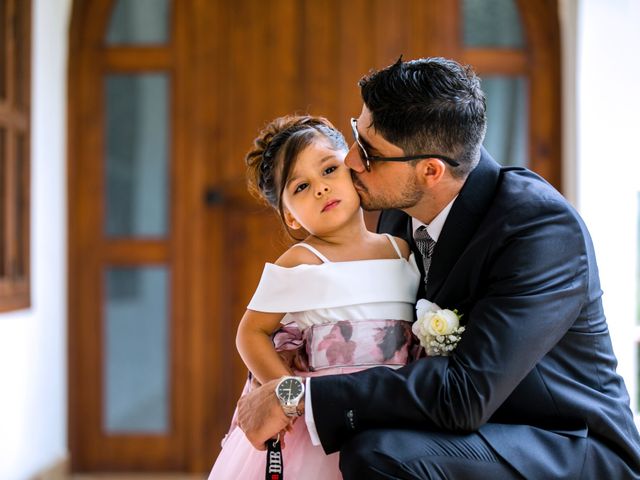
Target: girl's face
x,y
319,194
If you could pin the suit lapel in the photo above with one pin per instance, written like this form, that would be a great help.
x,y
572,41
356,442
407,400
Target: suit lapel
x,y
465,216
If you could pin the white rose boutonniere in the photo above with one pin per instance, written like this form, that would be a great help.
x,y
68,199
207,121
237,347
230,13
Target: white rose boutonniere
x,y
438,329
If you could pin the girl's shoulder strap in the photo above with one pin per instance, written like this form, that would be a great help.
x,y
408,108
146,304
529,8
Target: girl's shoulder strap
x,y
394,244
314,251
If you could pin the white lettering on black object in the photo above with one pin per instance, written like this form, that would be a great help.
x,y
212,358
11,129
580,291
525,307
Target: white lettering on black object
x,y
275,464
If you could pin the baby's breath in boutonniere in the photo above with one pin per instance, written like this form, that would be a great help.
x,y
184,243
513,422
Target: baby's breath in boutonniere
x,y
438,330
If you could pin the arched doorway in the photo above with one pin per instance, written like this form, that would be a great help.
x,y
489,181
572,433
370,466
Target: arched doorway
x,y
165,245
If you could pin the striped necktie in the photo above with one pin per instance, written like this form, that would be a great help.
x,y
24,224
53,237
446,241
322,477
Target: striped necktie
x,y
425,245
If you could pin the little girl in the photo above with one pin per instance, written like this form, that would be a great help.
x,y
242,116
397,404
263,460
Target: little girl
x,y
350,292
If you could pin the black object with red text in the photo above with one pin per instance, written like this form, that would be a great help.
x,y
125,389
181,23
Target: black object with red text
x,y
275,465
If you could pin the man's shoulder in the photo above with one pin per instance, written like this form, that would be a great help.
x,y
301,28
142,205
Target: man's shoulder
x,y
524,199
520,187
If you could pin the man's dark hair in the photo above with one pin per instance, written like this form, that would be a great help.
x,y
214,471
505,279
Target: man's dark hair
x,y
429,105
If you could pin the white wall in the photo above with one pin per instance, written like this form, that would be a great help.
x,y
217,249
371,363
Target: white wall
x,y
33,372
608,158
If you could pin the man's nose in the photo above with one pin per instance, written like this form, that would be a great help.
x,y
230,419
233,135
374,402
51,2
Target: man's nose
x,y
353,160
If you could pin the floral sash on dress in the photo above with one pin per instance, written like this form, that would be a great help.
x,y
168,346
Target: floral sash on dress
x,y
347,343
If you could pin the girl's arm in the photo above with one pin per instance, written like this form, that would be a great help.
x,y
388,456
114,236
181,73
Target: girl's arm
x,y
253,339
254,344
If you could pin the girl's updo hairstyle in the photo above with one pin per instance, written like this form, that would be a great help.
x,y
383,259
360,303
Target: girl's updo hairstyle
x,y
276,148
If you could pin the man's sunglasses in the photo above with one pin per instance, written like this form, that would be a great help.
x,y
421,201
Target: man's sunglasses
x,y
367,159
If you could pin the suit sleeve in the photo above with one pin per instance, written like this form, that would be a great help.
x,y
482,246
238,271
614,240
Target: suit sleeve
x,y
534,282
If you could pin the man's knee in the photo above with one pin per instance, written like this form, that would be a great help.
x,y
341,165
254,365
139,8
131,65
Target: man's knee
x,y
413,454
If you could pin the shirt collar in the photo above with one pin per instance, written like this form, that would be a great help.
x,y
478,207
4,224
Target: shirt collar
x,y
435,227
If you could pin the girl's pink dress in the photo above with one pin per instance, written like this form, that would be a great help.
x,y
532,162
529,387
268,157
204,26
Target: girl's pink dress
x,y
347,316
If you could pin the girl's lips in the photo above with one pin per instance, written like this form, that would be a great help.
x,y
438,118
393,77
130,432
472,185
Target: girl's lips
x,y
330,204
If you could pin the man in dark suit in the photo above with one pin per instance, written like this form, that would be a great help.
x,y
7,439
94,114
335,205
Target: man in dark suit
x,y
531,389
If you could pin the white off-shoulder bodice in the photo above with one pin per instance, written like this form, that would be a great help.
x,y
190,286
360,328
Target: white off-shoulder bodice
x,y
334,291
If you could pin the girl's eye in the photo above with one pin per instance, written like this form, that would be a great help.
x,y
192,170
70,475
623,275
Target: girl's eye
x,y
300,188
329,170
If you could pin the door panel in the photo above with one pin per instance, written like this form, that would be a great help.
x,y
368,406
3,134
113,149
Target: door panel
x,y
124,349
136,357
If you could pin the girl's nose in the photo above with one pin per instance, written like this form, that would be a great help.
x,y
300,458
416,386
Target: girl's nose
x,y
322,190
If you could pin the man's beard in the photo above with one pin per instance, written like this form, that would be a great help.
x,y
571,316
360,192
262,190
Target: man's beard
x,y
407,196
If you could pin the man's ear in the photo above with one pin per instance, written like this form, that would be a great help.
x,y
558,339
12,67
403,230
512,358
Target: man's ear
x,y
430,171
291,221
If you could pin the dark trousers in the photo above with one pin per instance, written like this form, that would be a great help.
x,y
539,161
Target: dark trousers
x,y
409,454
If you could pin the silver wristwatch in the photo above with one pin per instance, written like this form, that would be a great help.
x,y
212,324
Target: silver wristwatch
x,y
290,391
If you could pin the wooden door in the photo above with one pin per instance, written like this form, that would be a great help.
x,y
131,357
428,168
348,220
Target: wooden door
x,y
165,244
127,352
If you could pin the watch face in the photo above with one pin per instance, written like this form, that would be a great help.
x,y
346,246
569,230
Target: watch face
x,y
289,389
